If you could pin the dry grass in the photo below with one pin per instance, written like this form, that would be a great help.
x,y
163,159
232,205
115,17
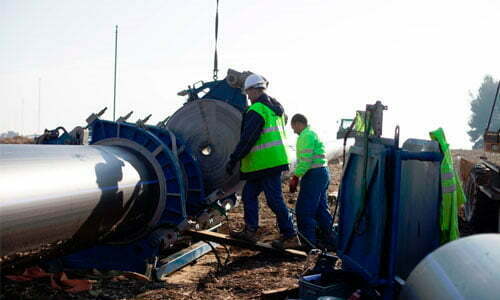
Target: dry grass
x,y
17,140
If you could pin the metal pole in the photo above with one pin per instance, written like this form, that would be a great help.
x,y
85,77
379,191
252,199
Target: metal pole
x,y
493,107
114,88
39,101
22,116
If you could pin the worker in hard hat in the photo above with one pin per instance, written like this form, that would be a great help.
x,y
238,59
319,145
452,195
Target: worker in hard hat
x,y
311,207
263,156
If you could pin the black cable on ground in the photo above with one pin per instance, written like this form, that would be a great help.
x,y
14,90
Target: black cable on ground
x,y
226,261
311,245
221,266
219,262
225,246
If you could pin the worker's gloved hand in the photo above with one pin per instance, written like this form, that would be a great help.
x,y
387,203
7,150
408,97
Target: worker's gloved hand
x,y
294,181
230,167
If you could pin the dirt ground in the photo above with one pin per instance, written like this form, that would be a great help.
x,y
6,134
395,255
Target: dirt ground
x,y
475,155
246,275
17,140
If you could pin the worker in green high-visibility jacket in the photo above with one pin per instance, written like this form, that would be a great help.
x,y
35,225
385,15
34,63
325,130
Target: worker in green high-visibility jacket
x,y
312,204
452,193
263,156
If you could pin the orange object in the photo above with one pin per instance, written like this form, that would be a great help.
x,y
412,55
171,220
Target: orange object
x,y
36,272
58,281
62,282
18,278
29,274
294,181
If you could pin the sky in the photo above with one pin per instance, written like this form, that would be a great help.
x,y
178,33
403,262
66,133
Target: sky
x,y
324,59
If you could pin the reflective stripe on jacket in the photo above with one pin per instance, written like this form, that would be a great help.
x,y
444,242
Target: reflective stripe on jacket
x,y
269,151
310,152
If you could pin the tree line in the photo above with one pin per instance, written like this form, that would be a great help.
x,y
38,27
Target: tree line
x,y
481,104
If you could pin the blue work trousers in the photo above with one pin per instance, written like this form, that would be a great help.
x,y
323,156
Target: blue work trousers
x,y
271,185
312,205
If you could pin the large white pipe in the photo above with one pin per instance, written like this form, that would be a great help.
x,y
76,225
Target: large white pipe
x,y
468,268
50,193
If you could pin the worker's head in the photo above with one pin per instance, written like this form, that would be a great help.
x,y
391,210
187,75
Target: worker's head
x,y
254,86
299,122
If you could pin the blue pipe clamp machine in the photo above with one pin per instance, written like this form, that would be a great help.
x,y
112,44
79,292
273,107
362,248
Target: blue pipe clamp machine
x,y
183,184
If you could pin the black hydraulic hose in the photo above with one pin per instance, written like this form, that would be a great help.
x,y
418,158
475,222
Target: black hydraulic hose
x,y
300,233
336,208
346,136
219,261
349,130
364,183
307,240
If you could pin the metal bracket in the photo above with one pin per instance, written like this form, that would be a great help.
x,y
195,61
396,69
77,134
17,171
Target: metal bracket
x,y
81,135
376,119
180,259
125,118
165,237
215,196
163,124
377,115
142,123
95,116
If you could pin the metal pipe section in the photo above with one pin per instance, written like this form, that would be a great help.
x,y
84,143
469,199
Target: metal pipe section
x,y
463,269
211,128
51,193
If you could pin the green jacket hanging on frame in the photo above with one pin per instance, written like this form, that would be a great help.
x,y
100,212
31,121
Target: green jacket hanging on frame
x,y
452,192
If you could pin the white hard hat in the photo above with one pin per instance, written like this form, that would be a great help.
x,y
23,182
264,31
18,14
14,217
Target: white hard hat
x,y
255,81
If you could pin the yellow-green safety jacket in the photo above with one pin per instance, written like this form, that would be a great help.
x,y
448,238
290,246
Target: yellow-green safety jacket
x,y
452,193
310,152
269,151
359,122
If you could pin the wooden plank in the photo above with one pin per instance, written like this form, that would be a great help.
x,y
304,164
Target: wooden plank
x,y
281,293
221,238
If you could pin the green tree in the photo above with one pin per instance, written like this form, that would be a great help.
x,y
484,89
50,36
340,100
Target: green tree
x,y
480,106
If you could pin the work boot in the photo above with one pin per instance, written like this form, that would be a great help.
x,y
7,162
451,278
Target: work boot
x,y
292,242
246,235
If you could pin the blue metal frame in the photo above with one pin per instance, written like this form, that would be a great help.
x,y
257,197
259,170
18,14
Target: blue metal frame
x,y
362,217
385,159
399,157
54,137
175,202
193,178
137,255
219,90
134,257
